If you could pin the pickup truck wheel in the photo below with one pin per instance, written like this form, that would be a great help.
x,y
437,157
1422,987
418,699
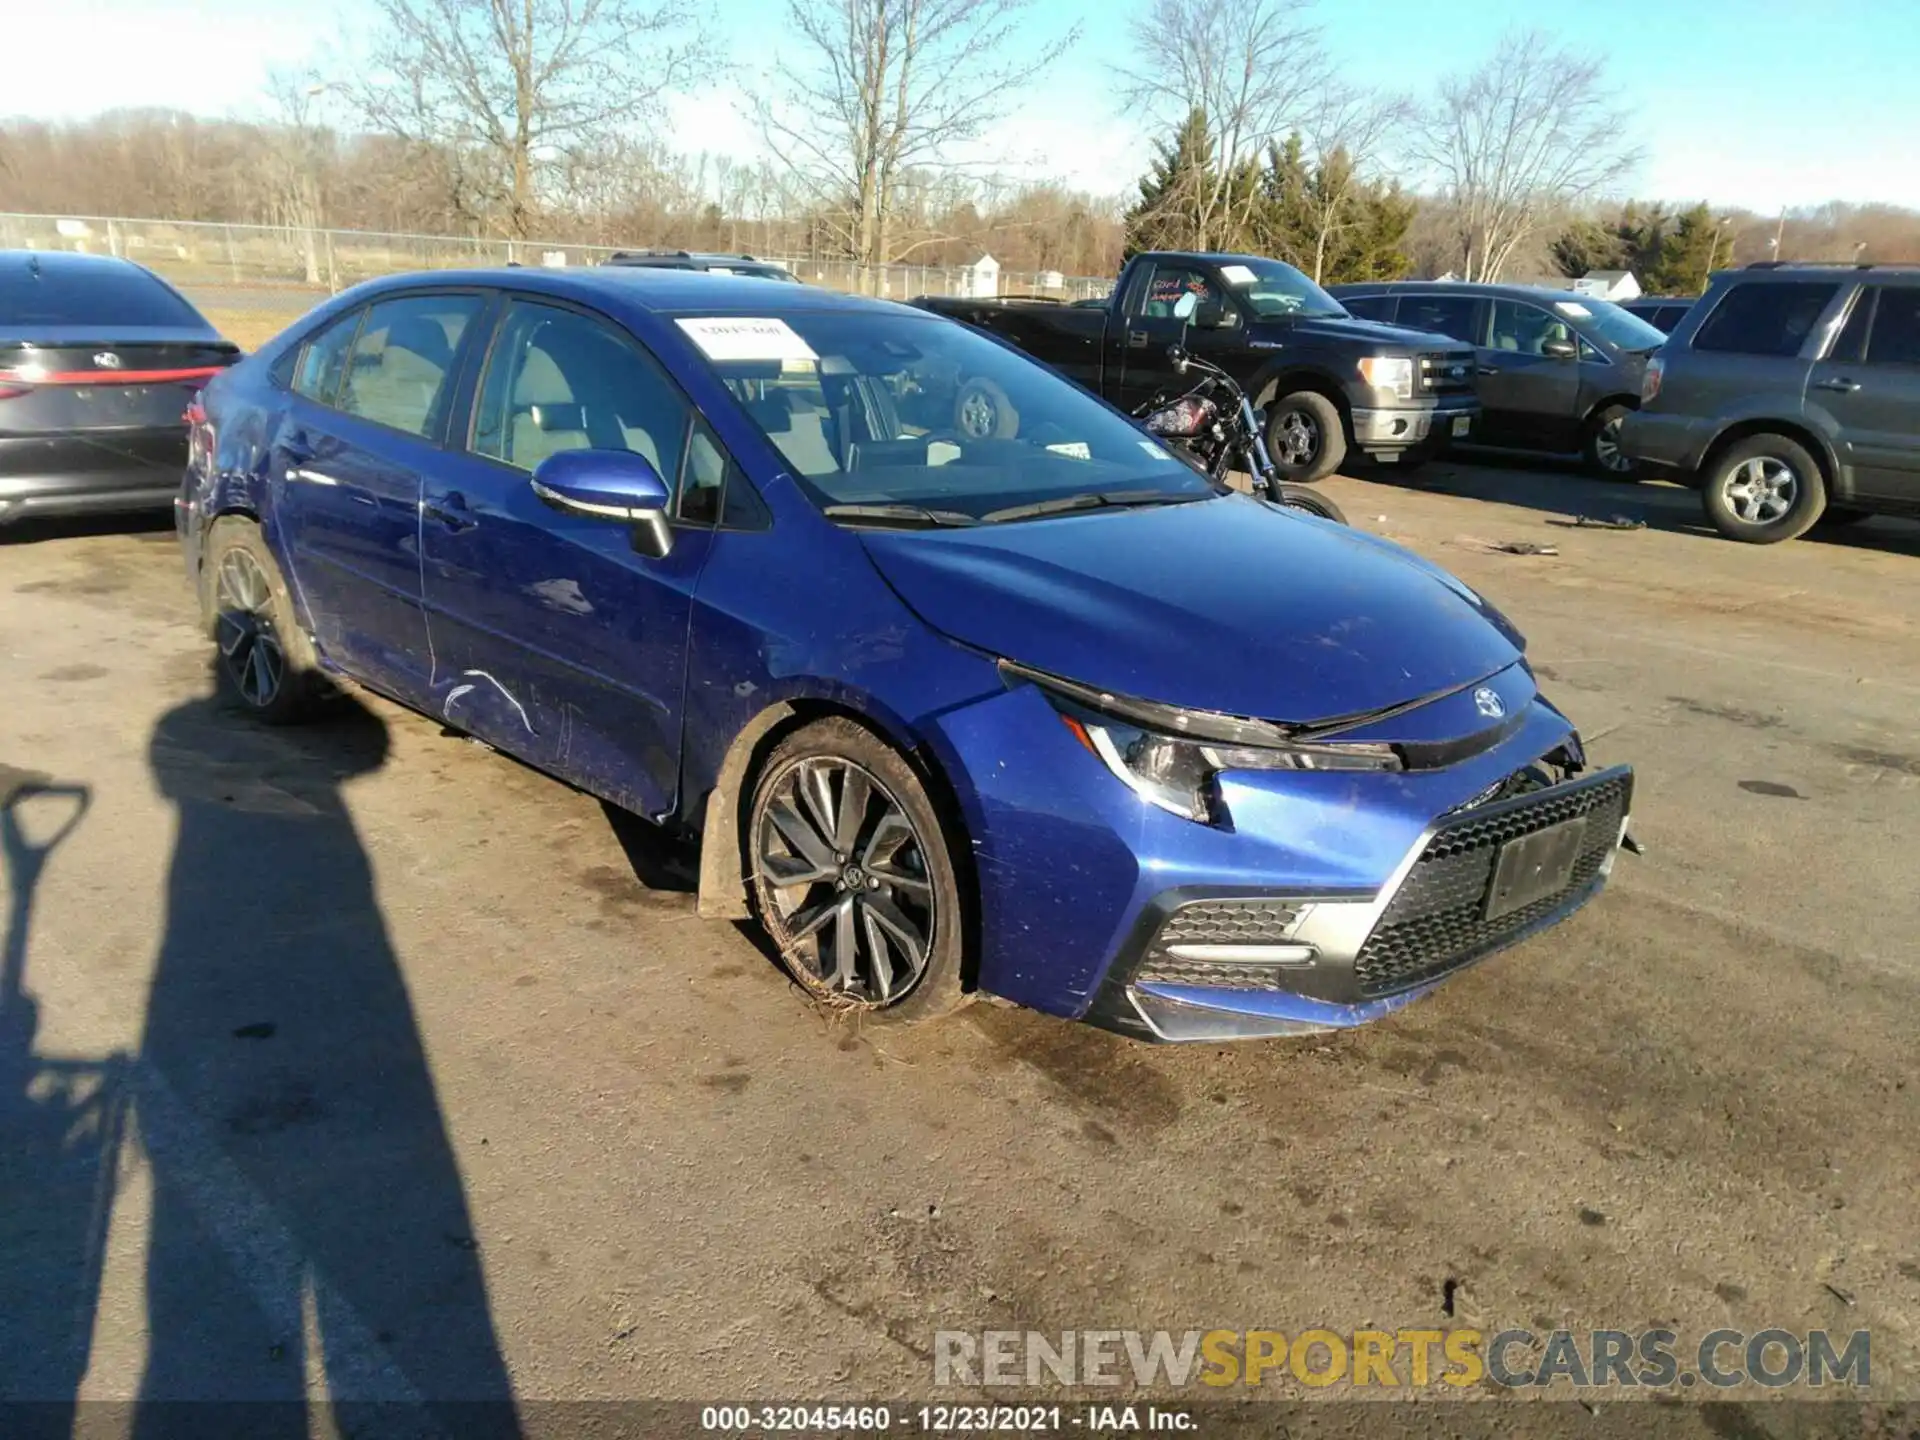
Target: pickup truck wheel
x,y
1305,436
1764,489
982,411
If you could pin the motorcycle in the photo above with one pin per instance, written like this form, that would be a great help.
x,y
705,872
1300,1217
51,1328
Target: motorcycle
x,y
1216,423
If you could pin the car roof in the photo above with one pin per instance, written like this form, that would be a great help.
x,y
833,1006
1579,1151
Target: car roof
x,y
66,262
653,289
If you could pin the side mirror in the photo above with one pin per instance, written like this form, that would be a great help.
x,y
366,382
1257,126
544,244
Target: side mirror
x,y
609,485
1214,315
1184,307
1559,348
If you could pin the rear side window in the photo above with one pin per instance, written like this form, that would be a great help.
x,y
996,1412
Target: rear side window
x,y
1370,307
1765,317
1896,327
324,360
1450,315
102,295
402,359
1670,316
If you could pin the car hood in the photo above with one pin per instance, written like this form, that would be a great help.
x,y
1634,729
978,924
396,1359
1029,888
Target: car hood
x,y
1365,332
1228,605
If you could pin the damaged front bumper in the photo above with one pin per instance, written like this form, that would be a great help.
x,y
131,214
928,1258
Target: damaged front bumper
x,y
1318,900
1229,967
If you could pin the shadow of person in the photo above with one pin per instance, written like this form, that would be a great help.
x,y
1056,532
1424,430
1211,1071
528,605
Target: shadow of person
x,y
310,1235
60,1128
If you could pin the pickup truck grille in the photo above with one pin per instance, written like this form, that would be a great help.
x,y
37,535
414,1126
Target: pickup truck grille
x,y
1445,373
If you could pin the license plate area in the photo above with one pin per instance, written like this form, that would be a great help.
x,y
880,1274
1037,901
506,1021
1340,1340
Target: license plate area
x,y
1461,425
1534,867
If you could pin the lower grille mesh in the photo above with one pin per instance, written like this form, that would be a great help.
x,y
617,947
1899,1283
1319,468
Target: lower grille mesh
x,y
1436,921
1220,922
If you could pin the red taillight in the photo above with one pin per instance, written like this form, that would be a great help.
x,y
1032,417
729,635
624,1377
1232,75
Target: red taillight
x,y
199,434
114,377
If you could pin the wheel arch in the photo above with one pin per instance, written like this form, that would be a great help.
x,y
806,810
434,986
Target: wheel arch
x,y
1799,432
722,823
1632,402
1285,380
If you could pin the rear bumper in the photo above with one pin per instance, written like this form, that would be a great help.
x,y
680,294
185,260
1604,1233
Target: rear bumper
x,y
1391,431
1665,442
83,474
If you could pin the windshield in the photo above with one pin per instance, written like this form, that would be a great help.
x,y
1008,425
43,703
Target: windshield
x,y
1620,328
1272,289
927,416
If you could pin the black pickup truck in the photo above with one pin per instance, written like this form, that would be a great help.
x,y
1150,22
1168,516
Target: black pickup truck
x,y
1328,383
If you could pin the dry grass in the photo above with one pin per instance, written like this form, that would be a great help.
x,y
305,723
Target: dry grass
x,y
250,329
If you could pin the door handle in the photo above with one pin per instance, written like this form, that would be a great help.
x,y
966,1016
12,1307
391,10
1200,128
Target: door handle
x,y
452,512
1136,339
1489,369
1842,385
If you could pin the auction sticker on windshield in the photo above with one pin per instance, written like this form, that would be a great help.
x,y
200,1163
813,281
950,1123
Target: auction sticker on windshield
x,y
739,338
1237,275
1573,308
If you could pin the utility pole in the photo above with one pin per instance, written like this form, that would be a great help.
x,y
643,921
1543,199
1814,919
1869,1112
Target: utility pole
x,y
1779,234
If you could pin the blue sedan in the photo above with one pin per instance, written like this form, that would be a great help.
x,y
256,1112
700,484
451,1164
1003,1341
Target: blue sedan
x,y
1042,712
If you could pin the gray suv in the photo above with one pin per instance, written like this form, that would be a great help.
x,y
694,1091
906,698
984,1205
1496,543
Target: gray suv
x,y
1558,371
1790,394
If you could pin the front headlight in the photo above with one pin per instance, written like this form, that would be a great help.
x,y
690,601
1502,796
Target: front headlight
x,y
1388,372
1169,756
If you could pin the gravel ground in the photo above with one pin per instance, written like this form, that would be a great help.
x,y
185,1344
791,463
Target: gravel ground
x,y
422,1079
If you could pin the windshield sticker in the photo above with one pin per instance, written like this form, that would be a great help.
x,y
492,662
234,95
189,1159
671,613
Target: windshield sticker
x,y
1156,450
1073,449
738,338
1237,275
1573,308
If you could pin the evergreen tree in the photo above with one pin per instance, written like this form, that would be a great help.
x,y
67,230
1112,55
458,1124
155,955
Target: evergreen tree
x,y
1684,255
1175,192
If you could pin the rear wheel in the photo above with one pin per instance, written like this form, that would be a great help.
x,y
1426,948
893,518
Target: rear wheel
x,y
1305,436
1601,448
852,876
1764,489
266,662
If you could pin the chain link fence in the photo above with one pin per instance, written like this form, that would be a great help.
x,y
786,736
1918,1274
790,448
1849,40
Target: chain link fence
x,y
268,266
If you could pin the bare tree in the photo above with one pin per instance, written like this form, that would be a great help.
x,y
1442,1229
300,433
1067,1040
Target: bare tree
x,y
1515,142
1252,69
869,92
1348,132
509,88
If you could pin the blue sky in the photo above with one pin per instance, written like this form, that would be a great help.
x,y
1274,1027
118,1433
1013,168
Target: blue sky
x,y
1758,103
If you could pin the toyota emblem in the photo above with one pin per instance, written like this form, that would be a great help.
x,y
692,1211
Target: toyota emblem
x,y
1488,702
107,360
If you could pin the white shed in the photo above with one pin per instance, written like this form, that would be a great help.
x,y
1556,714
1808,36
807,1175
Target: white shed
x,y
1609,285
981,280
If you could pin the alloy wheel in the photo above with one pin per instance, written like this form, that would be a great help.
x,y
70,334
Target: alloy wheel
x,y
1606,447
844,874
1761,490
250,649
1296,438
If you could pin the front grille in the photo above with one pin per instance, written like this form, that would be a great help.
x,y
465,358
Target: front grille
x,y
1220,922
1436,921
1445,373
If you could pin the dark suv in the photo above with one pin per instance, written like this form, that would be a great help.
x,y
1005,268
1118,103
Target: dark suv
x,y
1663,312
1788,394
1558,371
713,264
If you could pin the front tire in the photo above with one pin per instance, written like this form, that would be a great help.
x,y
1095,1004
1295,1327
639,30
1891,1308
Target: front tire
x,y
1305,497
1601,447
1764,489
983,410
266,663
853,878
1305,436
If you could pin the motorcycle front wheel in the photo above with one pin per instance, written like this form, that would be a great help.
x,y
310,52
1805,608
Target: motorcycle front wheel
x,y
1305,497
